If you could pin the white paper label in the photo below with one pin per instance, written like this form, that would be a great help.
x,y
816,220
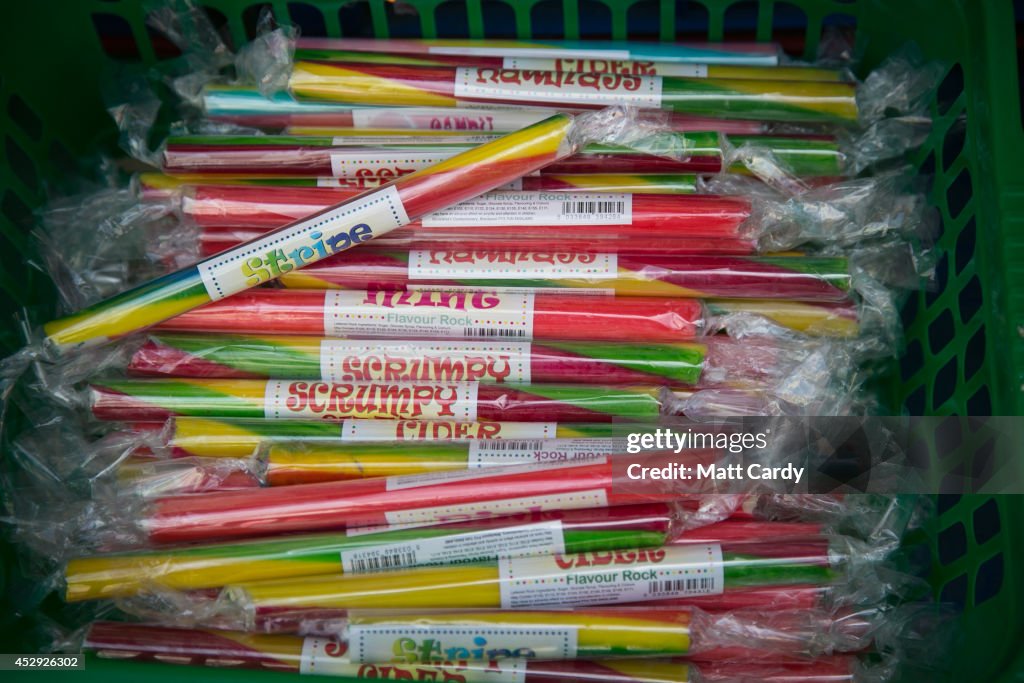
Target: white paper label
x,y
424,643
303,400
410,481
344,360
508,264
609,577
513,452
485,545
415,118
536,208
308,241
554,87
595,498
443,430
385,163
327,657
465,315
607,66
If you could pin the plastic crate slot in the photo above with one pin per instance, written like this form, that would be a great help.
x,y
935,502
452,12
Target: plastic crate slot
x,y
950,89
965,242
595,20
974,358
499,19
838,25
355,19
953,144
950,434
985,521
946,502
912,360
547,20
405,21
740,21
955,591
693,20
980,403
20,162
959,193
219,20
116,37
908,313
981,461
251,17
989,579
643,22
969,300
451,19
952,543
941,279
927,166
23,115
944,384
915,401
789,28
940,332
308,18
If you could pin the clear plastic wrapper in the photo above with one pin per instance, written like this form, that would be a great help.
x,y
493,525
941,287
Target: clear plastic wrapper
x,y
426,86
537,635
795,278
532,533
353,222
715,361
432,498
499,315
311,655
247,106
627,575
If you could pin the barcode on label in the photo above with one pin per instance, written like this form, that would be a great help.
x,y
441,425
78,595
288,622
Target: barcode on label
x,y
508,445
592,207
493,332
699,585
396,560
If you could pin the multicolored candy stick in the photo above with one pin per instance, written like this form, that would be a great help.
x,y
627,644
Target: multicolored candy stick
x,y
688,53
247,106
421,499
494,315
240,438
157,399
294,155
324,656
715,362
582,65
208,566
338,228
794,278
602,577
436,86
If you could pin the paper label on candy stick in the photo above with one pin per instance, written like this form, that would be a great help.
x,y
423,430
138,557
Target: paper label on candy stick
x,y
288,399
424,361
595,498
409,481
498,209
509,264
576,291
448,315
515,452
426,643
485,545
305,242
328,657
610,577
385,163
413,118
607,66
443,430
557,87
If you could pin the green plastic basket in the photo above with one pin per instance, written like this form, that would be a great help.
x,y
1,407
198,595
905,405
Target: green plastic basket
x,y
963,355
